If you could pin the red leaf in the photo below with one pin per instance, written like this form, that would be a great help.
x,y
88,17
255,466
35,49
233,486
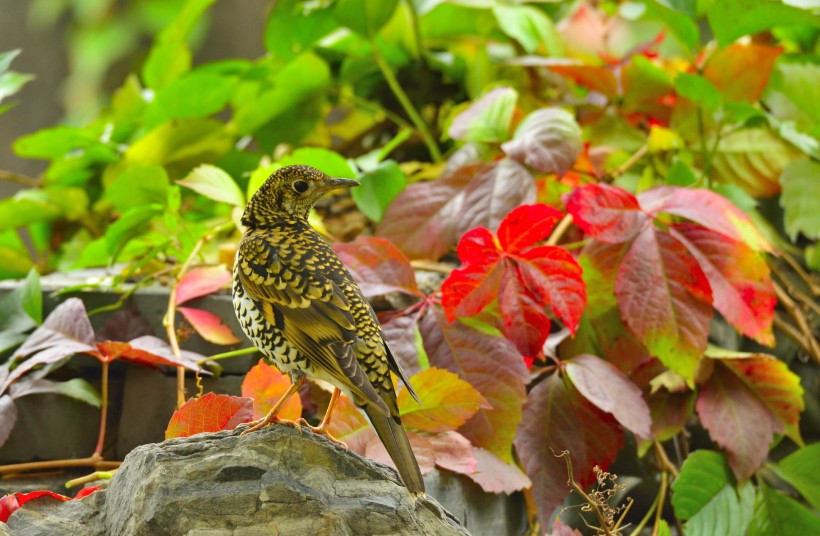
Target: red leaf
x,y
147,351
85,492
209,326
558,418
495,475
553,274
600,79
665,299
478,247
524,226
742,71
706,208
494,191
266,385
611,391
201,282
608,213
737,420
453,452
468,290
378,266
525,323
209,413
421,221
492,366
739,277
13,501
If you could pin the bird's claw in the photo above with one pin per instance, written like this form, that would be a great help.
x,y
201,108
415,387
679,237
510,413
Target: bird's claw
x,y
320,430
258,424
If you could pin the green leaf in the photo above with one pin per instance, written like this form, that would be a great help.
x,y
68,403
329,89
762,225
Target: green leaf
x,y
325,160
295,26
37,205
702,477
22,308
214,183
140,185
801,198
365,17
778,515
487,120
196,94
298,81
133,222
10,81
800,469
679,22
378,188
56,142
698,90
680,174
529,26
728,513
794,91
447,401
170,57
186,142
731,19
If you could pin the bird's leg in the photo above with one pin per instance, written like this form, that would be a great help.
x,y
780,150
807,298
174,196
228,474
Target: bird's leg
x,y
322,428
271,417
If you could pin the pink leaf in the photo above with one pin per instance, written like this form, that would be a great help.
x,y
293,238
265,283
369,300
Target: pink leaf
x,y
209,326
453,452
422,448
400,333
706,208
201,282
742,287
605,212
378,266
495,475
611,391
665,299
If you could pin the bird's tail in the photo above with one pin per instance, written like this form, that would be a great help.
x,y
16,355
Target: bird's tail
x,y
394,439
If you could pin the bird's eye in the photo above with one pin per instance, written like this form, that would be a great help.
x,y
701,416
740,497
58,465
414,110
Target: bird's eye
x,y
300,186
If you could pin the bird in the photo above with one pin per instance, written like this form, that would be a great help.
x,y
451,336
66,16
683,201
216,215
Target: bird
x,y
300,306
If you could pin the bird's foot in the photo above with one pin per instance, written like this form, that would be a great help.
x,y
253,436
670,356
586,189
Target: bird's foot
x,y
322,429
267,420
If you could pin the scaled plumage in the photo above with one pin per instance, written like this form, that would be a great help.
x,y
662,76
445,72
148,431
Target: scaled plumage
x,y
299,305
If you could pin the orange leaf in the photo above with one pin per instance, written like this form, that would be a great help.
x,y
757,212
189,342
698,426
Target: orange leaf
x,y
209,326
266,385
209,413
741,72
447,401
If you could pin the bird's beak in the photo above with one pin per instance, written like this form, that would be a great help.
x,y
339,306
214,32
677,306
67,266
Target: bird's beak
x,y
333,184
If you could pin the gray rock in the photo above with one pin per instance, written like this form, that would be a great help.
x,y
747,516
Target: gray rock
x,y
274,481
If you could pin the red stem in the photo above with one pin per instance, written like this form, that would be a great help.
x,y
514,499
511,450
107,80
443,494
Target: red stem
x,y
103,410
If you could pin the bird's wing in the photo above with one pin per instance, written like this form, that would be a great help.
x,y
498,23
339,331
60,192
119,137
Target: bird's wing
x,y
311,310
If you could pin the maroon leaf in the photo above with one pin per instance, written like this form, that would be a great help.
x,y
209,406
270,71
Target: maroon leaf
x,y
548,140
209,413
611,391
124,325
608,213
558,418
422,219
524,321
495,475
201,282
8,417
739,277
665,299
492,366
402,335
65,332
378,266
162,349
737,420
495,190
453,452
706,208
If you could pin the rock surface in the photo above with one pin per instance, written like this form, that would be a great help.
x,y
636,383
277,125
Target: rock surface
x,y
274,481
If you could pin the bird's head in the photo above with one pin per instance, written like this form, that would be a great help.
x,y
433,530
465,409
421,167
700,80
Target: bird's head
x,y
290,192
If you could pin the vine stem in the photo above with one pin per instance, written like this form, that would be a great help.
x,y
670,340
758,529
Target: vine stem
x,y
559,230
807,339
103,411
92,461
631,161
226,355
404,100
170,314
661,500
96,475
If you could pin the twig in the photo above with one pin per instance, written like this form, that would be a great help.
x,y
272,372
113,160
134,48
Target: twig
x,y
808,342
103,411
578,489
405,102
559,230
226,355
642,523
19,178
664,461
170,314
661,500
430,266
631,161
810,280
92,461
96,475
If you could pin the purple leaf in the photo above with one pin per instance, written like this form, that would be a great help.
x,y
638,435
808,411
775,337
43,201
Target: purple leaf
x,y
548,140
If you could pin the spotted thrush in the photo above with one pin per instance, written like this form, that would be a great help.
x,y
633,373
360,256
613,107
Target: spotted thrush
x,y
300,306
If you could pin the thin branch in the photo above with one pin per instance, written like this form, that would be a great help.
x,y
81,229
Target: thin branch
x,y
559,230
430,266
664,461
810,280
103,411
92,461
226,355
25,180
96,475
809,341
631,161
661,501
